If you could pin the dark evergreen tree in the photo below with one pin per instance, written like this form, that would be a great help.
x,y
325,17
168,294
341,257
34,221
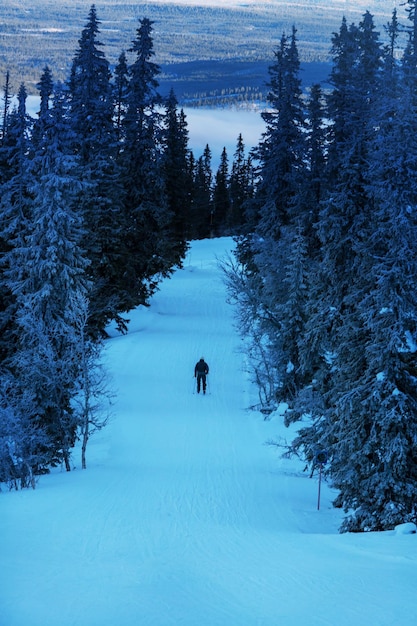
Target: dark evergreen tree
x,y
312,191
331,318
340,100
7,98
102,200
91,96
15,211
357,58
177,176
202,206
6,299
278,248
241,186
46,273
221,195
46,88
365,326
409,59
343,210
148,236
282,149
374,466
390,79
300,256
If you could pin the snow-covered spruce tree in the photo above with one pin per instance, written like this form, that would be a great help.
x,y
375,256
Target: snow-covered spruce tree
x,y
15,156
20,438
382,410
282,149
15,211
374,464
344,196
293,307
91,94
47,274
101,202
5,295
365,328
301,266
24,445
177,176
280,224
357,62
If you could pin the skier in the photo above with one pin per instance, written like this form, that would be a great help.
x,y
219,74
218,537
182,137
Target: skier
x,y
200,372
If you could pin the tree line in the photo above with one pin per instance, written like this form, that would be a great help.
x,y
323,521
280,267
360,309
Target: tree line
x,y
325,276
99,196
31,36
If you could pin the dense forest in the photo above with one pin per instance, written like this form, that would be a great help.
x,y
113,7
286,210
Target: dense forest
x,y
99,197
325,277
200,49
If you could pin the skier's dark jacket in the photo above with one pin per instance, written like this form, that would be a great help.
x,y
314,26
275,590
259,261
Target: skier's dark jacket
x,y
201,368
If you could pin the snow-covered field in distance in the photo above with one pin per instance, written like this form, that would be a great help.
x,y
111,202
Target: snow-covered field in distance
x,y
225,33
345,6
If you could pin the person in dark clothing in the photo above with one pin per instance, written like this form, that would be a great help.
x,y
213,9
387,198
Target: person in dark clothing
x,y
200,372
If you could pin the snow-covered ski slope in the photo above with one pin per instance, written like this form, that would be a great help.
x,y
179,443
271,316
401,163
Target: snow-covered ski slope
x,y
184,516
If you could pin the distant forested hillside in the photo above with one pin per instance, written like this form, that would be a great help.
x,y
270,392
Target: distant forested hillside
x,y
202,49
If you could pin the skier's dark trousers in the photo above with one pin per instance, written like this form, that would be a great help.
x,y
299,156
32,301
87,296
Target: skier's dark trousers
x,y
200,372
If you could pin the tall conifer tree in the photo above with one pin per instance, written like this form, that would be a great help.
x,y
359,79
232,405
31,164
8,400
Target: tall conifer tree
x,y
241,186
202,206
101,203
282,148
47,276
15,211
148,236
177,177
221,194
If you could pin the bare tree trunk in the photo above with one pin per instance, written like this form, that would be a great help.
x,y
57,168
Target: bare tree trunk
x,y
84,444
67,461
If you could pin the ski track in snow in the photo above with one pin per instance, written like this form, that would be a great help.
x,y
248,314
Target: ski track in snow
x,y
184,516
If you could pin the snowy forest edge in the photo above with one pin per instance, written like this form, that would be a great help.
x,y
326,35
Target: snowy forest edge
x,y
100,196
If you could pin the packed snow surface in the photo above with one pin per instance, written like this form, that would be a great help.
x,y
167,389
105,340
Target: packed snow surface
x,y
184,516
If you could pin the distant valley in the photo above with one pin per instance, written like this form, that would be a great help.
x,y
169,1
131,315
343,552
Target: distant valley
x,y
211,52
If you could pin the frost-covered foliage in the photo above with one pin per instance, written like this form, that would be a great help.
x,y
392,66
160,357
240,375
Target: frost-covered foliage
x,y
332,265
87,229
98,196
46,274
244,292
